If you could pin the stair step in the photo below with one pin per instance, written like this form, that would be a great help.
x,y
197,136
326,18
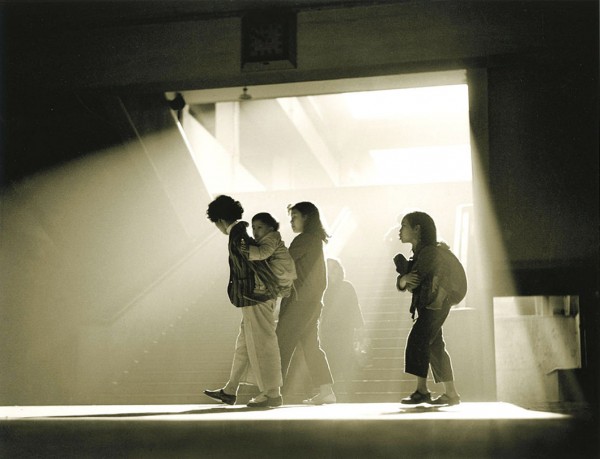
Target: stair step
x,y
401,327
388,332
181,363
386,352
374,387
387,342
386,362
177,377
377,374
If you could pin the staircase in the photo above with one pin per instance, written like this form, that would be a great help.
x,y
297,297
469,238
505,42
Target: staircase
x,y
194,352
191,354
387,323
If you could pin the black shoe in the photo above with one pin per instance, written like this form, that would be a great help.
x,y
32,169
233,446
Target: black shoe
x,y
417,397
446,400
221,396
263,401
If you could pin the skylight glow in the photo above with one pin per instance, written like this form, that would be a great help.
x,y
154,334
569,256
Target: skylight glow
x,y
446,163
430,101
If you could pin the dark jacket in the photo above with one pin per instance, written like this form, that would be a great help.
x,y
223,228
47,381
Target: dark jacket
x,y
307,251
442,276
341,314
242,281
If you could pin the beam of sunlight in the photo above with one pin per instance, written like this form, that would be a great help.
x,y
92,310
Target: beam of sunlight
x,y
109,247
488,268
341,230
528,346
219,167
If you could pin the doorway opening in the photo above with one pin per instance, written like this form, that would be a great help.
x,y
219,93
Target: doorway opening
x,y
365,151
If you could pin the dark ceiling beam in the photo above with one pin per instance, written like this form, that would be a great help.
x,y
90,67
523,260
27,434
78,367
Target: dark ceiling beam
x,y
63,15
361,39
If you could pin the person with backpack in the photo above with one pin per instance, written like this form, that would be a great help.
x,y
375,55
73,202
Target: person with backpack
x,y
436,280
252,288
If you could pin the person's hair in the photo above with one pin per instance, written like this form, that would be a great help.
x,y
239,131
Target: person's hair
x,y
313,223
224,208
428,229
338,271
267,219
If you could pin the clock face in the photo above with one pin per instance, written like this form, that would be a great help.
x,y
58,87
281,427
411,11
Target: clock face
x,y
266,41
269,41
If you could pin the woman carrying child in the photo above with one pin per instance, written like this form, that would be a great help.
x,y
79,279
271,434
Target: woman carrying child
x,y
252,288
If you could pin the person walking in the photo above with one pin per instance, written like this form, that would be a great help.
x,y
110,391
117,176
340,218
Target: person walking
x,y
424,276
298,325
252,287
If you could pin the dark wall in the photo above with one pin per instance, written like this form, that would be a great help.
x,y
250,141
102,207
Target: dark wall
x,y
544,159
543,163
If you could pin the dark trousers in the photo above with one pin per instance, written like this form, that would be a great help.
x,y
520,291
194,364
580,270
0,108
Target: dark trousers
x,y
425,346
298,327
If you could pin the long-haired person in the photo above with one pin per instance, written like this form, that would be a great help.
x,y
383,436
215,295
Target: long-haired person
x,y
298,325
425,276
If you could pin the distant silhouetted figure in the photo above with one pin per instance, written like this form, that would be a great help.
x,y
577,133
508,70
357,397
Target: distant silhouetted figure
x,y
427,276
340,319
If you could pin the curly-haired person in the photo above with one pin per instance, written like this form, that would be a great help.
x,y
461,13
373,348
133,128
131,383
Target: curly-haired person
x,y
252,287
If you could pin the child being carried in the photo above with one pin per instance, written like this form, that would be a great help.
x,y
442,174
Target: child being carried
x,y
269,246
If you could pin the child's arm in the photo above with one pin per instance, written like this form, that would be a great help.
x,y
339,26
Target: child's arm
x,y
244,243
265,248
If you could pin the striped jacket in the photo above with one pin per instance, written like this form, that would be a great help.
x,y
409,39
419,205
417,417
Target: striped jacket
x,y
243,273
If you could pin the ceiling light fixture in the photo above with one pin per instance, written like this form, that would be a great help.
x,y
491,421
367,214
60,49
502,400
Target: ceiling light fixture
x,y
244,95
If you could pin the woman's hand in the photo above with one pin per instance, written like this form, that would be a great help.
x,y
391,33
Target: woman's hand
x,y
409,281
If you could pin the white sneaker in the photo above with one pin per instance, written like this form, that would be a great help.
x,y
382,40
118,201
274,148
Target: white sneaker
x,y
321,399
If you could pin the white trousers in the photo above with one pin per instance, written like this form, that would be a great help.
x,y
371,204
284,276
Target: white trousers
x,y
256,359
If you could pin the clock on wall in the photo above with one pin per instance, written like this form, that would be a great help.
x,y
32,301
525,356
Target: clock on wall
x,y
269,41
